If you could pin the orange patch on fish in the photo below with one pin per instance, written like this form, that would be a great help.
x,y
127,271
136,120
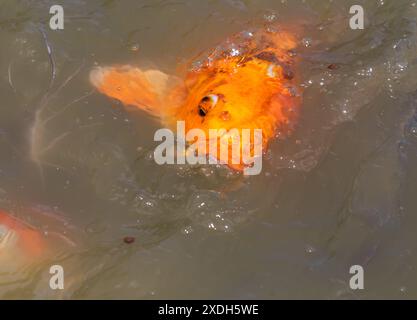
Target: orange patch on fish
x,y
248,85
21,237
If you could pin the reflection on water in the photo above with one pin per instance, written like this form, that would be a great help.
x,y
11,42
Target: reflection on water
x,y
339,191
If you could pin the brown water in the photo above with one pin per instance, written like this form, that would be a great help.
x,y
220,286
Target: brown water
x,y
339,192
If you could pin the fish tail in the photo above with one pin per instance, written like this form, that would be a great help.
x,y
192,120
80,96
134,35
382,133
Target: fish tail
x,y
132,86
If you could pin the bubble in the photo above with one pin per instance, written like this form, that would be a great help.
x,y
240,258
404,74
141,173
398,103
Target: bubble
x,y
134,47
400,67
234,52
307,42
201,205
247,34
271,16
187,230
310,249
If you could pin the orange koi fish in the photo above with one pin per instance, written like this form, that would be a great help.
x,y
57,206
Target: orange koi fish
x,y
245,83
18,239
21,242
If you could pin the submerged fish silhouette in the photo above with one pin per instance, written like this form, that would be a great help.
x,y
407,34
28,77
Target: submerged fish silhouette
x,y
245,83
22,242
19,239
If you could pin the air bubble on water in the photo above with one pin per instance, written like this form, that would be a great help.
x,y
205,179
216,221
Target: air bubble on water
x,y
307,42
149,156
134,47
411,129
247,34
306,84
271,17
167,196
187,230
310,249
207,172
400,67
201,205
366,72
234,52
149,204
345,109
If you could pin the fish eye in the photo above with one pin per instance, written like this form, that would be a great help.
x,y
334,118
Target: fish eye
x,y
206,103
201,111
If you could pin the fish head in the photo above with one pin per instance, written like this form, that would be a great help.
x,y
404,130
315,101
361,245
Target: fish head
x,y
239,93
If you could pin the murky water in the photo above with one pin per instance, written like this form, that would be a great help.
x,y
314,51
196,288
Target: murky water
x,y
78,166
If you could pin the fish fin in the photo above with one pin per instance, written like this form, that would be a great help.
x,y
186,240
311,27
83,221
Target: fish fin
x,y
133,86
